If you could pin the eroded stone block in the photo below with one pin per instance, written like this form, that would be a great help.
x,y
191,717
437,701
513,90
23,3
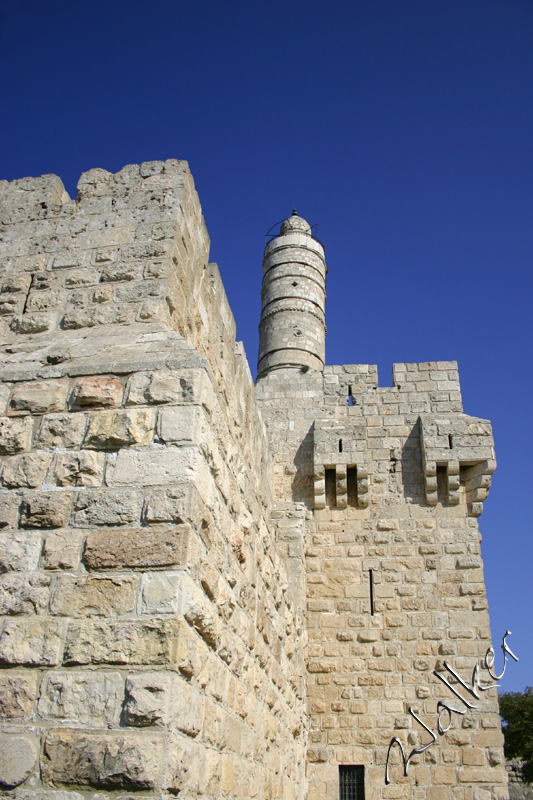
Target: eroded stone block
x,y
18,690
39,397
24,594
18,757
110,430
62,549
122,760
123,641
15,435
82,698
45,509
63,430
9,506
153,546
95,596
19,551
25,471
31,641
107,507
83,468
96,392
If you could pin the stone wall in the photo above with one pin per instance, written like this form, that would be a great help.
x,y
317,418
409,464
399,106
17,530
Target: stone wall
x,y
393,571
152,640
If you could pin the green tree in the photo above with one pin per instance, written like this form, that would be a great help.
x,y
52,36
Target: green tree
x,y
516,710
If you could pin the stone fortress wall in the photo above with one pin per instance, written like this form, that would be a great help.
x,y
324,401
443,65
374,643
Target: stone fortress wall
x,y
212,589
152,641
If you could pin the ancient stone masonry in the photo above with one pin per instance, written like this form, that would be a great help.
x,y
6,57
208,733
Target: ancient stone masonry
x,y
210,589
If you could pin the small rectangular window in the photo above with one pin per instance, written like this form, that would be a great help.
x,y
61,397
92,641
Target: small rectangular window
x,y
351,486
351,782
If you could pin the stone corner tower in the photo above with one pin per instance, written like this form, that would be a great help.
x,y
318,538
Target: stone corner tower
x,y
292,328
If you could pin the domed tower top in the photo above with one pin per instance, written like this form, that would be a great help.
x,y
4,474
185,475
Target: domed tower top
x,y
295,223
292,329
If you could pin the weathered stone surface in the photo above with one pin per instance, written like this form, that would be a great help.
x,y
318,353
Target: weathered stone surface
x,y
15,435
87,698
39,397
186,425
9,506
107,507
123,642
162,386
107,761
62,549
24,594
177,503
18,691
25,471
31,642
148,698
153,546
85,597
45,509
19,551
96,392
63,430
110,430
161,467
82,468
18,756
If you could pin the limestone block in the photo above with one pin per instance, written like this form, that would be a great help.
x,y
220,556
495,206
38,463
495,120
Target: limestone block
x,y
160,467
62,549
185,425
18,757
42,301
95,596
15,435
148,698
45,509
153,546
122,272
38,397
9,506
63,430
82,468
124,760
31,641
81,277
24,594
25,471
178,503
82,698
96,392
176,386
107,507
18,690
31,323
110,430
133,642
19,551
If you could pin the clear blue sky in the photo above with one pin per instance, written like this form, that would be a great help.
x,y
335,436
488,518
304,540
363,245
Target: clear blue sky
x,y
403,127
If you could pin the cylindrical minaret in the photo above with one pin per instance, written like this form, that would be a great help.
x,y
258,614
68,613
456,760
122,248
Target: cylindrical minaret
x,y
292,331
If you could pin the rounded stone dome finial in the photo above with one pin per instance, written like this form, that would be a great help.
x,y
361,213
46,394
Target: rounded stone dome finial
x,y
295,223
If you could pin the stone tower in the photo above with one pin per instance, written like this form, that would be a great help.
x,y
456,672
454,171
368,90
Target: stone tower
x,y
292,330
209,588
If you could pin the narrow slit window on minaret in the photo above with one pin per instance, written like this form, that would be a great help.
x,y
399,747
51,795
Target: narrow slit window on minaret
x,y
340,445
450,441
371,584
331,486
350,396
